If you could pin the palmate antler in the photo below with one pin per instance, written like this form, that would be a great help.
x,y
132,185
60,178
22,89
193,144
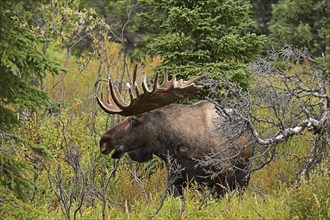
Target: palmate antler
x,y
146,100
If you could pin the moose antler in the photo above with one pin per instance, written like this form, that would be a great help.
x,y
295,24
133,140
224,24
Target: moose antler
x,y
146,100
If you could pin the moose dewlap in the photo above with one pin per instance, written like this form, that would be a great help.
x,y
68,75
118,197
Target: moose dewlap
x,y
197,138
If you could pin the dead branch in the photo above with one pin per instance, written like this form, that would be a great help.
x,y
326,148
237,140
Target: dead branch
x,y
291,96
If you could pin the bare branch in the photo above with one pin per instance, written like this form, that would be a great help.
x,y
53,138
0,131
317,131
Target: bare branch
x,y
290,97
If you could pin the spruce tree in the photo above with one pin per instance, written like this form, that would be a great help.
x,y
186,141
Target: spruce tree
x,y
200,36
22,67
302,23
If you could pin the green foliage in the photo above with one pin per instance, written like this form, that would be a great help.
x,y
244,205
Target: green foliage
x,y
70,27
197,35
123,13
22,68
11,174
302,23
311,200
18,160
22,65
251,205
13,208
262,14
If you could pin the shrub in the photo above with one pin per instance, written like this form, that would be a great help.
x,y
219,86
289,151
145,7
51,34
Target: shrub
x,y
311,200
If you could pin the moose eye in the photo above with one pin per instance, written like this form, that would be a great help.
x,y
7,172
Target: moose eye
x,y
134,122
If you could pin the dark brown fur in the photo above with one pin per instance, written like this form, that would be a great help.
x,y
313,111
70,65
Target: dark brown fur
x,y
188,133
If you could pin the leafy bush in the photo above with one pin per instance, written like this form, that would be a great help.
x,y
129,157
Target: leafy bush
x,y
13,208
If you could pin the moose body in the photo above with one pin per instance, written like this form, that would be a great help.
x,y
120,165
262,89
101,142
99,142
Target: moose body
x,y
208,147
189,134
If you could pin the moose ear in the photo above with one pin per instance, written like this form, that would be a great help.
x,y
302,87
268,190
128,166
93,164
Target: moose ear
x,y
140,155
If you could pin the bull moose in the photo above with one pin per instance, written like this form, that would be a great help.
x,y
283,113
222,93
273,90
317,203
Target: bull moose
x,y
192,135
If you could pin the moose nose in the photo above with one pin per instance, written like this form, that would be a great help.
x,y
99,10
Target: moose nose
x,y
104,146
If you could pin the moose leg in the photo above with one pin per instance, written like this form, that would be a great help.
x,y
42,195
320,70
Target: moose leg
x,y
241,177
177,188
236,180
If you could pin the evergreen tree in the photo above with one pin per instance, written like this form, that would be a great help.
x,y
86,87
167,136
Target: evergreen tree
x,y
22,67
203,36
262,14
302,23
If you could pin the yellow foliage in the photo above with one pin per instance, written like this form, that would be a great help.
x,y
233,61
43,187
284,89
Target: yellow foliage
x,y
76,87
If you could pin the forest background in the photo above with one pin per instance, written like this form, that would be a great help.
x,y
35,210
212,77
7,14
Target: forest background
x,y
57,55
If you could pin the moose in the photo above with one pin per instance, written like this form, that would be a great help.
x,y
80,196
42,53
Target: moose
x,y
191,135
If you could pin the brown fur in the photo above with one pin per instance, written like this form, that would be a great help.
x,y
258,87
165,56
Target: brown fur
x,y
189,134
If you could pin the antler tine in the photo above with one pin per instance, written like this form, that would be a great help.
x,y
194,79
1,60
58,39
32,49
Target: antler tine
x,y
165,76
108,107
144,84
198,78
155,86
137,91
173,80
130,91
166,82
135,73
134,83
116,96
